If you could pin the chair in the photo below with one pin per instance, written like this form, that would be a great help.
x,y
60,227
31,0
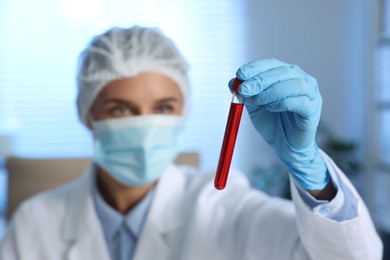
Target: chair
x,y
28,176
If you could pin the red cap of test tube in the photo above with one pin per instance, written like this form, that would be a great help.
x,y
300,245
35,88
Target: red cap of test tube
x,y
235,85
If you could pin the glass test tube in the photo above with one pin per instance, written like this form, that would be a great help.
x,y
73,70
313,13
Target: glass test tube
x,y
229,139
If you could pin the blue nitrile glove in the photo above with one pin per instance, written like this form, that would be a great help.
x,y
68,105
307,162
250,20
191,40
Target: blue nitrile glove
x,y
284,104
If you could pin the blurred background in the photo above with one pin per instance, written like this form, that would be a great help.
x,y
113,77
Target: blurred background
x,y
344,44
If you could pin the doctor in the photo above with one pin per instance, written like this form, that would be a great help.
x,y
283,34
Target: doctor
x,y
134,203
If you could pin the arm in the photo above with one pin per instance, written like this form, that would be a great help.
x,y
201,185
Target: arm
x,y
327,193
8,248
343,224
284,104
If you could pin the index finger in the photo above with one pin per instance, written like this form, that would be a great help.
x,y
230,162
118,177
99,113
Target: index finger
x,y
253,68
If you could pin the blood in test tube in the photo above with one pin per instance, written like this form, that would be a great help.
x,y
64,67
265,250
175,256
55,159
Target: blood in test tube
x,y
229,138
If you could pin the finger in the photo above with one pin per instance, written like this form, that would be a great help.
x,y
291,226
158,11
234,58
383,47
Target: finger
x,y
262,81
263,121
300,105
286,89
311,80
253,68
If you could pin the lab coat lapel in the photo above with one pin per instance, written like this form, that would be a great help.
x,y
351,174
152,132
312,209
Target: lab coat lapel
x,y
81,229
87,248
164,218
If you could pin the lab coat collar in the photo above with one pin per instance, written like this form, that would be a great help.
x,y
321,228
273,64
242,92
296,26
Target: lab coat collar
x,y
79,206
81,228
165,216
83,231
166,204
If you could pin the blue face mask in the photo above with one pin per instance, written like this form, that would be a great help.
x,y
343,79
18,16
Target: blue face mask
x,y
136,150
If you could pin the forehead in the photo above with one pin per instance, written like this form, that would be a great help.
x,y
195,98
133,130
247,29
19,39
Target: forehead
x,y
146,85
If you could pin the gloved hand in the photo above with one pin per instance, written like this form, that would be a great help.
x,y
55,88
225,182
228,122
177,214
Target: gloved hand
x,y
284,104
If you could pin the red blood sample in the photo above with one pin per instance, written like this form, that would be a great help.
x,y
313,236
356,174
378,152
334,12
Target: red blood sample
x,y
229,140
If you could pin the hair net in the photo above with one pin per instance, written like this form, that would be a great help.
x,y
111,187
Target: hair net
x,y
120,53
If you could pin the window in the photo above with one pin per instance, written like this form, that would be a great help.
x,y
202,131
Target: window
x,y
38,53
382,122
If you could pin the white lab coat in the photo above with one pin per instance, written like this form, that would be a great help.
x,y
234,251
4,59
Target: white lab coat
x,y
190,220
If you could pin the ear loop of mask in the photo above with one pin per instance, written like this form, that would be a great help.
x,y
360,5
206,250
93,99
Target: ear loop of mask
x,y
90,121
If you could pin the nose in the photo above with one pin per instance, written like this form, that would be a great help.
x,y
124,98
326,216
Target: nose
x,y
144,111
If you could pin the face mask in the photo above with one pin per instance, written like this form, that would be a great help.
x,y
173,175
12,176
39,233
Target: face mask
x,y
136,150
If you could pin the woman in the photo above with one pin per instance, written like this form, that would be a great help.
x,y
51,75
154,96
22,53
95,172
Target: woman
x,y
134,203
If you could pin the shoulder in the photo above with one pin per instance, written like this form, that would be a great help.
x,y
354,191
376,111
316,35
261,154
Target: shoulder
x,y
53,203
40,221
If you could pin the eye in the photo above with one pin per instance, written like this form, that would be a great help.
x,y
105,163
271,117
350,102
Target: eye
x,y
120,110
164,109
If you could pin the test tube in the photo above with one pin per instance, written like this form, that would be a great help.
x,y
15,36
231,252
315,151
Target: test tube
x,y
229,139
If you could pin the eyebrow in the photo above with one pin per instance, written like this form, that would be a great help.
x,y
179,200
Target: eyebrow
x,y
117,100
127,102
169,99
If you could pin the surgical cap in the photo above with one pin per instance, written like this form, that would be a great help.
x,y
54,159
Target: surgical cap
x,y
121,53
